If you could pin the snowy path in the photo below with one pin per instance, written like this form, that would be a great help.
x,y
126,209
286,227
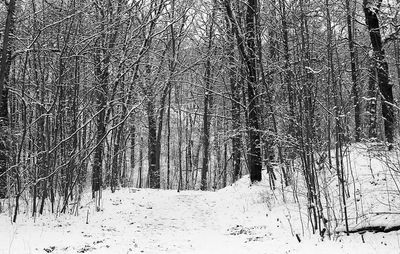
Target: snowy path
x,y
159,221
142,221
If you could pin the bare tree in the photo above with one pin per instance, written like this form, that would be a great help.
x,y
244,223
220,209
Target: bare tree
x,y
371,10
5,65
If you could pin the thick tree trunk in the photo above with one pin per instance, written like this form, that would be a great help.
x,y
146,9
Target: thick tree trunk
x,y
116,167
102,61
235,102
5,64
160,125
254,156
3,142
249,58
385,87
101,97
154,173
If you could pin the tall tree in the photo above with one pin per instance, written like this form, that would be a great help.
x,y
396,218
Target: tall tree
x,y
207,103
254,157
105,43
247,50
371,10
354,74
5,64
235,101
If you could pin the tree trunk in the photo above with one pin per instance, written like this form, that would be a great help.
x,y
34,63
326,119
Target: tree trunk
x,y
371,17
5,64
372,99
169,140
140,170
254,156
354,74
101,97
207,105
133,144
235,102
250,59
154,173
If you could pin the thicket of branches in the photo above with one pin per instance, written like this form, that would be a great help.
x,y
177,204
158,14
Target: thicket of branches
x,y
188,94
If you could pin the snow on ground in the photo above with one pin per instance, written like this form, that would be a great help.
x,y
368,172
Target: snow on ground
x,y
238,219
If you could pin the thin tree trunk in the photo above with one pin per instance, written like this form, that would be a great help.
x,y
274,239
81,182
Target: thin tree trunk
x,y
354,76
179,127
132,158
169,140
140,169
207,106
372,99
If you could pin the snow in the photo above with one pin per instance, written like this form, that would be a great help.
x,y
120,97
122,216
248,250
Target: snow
x,y
237,219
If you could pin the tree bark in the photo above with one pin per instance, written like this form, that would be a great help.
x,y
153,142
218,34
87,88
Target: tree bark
x,y
207,105
254,157
154,173
4,77
372,96
235,103
101,97
354,74
385,87
247,50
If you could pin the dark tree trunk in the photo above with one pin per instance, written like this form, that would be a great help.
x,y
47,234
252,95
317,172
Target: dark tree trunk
x,y
133,144
254,156
140,170
250,59
5,64
3,142
178,99
101,97
235,102
288,73
371,17
206,136
169,140
154,173
354,76
160,125
116,167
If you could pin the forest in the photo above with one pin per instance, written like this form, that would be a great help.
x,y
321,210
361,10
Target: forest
x,y
193,95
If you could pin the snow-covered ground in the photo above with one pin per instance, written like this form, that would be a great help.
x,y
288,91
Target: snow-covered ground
x,y
238,219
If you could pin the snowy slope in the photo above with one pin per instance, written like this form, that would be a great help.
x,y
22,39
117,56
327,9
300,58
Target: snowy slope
x,y
238,219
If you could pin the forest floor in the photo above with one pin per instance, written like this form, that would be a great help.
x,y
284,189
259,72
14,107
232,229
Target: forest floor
x,y
238,219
